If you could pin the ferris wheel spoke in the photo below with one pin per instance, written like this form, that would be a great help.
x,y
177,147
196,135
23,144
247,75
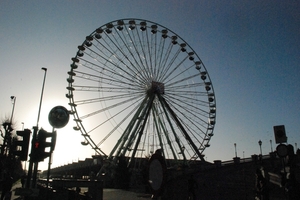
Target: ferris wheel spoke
x,y
183,79
105,80
186,86
184,98
108,90
170,124
188,106
171,68
126,139
112,71
201,123
122,53
154,56
180,126
146,115
102,61
150,56
191,122
175,74
100,66
118,125
165,67
90,141
106,98
159,121
160,54
160,142
107,75
107,108
137,65
140,51
191,126
142,55
124,136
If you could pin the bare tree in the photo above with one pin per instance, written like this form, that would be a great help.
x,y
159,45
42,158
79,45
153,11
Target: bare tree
x,y
6,134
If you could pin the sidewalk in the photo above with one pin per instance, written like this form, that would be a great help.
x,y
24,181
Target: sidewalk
x,y
108,194
16,185
115,194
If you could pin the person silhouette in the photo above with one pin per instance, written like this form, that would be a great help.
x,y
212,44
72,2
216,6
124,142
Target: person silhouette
x,y
6,187
192,185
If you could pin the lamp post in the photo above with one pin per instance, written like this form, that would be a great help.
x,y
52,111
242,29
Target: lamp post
x,y
235,149
260,143
13,99
41,99
271,145
32,175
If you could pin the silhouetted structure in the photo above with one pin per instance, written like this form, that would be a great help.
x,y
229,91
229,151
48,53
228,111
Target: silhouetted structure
x,y
218,180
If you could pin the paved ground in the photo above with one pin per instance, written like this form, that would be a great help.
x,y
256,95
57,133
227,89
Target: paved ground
x,y
108,194
114,194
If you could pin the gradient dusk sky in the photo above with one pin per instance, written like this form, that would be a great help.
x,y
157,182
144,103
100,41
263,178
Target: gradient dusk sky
x,y
251,50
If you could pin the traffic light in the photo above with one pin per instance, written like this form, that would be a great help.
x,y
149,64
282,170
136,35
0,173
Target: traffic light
x,y
43,146
24,144
280,136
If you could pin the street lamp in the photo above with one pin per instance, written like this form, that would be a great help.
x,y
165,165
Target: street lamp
x,y
41,99
271,145
13,99
235,149
260,142
32,174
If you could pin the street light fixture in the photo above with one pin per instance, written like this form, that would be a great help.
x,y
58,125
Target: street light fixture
x,y
13,99
271,146
41,99
260,143
235,149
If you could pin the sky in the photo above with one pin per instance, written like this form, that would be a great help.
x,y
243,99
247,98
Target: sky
x,y
251,50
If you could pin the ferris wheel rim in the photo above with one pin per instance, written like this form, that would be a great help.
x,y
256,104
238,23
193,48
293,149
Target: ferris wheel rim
x,y
70,95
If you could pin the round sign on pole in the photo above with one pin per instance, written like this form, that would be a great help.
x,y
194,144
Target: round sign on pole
x,y
282,150
58,117
157,174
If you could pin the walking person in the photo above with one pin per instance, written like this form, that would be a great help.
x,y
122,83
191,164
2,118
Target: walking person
x,y
192,185
6,187
262,190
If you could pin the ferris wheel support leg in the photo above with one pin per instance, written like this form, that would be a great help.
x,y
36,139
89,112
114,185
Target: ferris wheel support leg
x,y
149,107
181,127
174,132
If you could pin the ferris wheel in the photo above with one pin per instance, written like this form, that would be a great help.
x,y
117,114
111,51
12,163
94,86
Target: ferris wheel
x,y
135,87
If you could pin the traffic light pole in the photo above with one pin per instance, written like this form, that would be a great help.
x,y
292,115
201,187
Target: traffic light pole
x,y
29,175
50,162
34,175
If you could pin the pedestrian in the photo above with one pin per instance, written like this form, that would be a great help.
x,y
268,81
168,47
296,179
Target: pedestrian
x,y
23,178
262,190
6,187
192,185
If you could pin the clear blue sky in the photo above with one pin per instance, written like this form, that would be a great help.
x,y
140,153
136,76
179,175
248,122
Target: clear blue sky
x,y
251,50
